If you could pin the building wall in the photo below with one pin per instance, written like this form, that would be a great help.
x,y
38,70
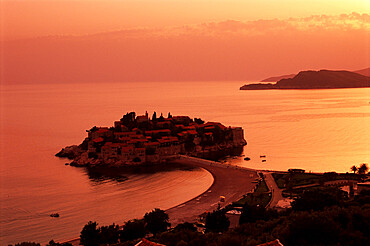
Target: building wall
x,y
238,135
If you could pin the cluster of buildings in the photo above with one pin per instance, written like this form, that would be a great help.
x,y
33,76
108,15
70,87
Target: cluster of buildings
x,y
139,139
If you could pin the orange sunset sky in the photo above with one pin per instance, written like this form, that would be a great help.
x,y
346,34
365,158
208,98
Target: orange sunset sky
x,y
56,41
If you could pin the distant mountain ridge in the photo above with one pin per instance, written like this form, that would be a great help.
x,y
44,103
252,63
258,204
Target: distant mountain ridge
x,y
323,79
277,78
365,72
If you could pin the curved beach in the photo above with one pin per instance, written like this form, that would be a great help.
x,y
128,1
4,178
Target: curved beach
x,y
232,183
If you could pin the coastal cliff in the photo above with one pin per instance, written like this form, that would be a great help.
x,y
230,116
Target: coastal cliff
x,y
323,79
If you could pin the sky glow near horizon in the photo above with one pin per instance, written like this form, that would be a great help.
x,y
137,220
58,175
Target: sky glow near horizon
x,y
166,40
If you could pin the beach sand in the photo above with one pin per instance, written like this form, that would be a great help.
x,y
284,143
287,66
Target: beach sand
x,y
229,182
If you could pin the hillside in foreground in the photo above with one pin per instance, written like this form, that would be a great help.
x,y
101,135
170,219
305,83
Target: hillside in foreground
x,y
323,79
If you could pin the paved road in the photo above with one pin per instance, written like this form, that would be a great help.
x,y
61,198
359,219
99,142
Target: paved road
x,y
276,192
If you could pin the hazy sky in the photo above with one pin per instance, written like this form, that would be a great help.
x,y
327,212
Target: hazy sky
x,y
155,40
29,18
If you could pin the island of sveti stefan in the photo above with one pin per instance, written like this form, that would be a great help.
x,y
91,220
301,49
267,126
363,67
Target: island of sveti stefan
x,y
141,140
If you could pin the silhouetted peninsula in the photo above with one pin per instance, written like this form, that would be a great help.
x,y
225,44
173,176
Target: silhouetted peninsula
x,y
323,79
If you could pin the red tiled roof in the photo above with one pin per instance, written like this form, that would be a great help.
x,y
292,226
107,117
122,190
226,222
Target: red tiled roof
x,y
124,133
192,132
102,129
163,123
132,141
189,127
127,148
98,140
164,140
158,131
124,138
215,124
170,138
151,144
112,145
145,242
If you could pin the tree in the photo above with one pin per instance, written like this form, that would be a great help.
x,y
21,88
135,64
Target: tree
x,y
90,234
354,169
156,221
252,213
362,170
132,229
109,234
217,221
154,117
318,199
305,228
186,226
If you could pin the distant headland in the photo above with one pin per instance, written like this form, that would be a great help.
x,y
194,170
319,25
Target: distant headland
x,y
135,140
365,71
323,79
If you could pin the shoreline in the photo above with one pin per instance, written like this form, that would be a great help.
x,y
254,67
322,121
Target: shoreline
x,y
224,183
189,200
230,182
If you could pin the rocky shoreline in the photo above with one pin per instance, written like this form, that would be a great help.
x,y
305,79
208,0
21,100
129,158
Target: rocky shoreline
x,y
81,159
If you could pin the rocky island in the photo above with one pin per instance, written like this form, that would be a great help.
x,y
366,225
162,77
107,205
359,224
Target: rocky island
x,y
323,79
135,140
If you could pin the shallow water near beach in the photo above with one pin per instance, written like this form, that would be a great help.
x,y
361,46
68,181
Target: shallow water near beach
x,y
317,130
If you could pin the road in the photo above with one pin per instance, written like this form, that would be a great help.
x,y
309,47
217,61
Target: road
x,y
276,192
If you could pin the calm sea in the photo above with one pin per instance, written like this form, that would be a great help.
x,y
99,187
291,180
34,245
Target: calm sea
x,y
317,130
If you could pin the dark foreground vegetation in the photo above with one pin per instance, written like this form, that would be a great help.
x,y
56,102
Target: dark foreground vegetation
x,y
319,216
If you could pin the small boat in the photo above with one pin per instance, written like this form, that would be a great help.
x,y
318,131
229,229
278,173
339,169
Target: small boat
x,y
55,215
66,163
263,160
247,158
262,156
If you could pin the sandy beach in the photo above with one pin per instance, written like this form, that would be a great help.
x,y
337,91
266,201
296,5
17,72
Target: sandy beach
x,y
228,182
